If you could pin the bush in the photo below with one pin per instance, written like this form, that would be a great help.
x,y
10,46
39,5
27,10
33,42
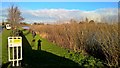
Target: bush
x,y
85,61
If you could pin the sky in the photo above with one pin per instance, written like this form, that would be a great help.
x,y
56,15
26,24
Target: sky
x,y
54,11
60,0
64,5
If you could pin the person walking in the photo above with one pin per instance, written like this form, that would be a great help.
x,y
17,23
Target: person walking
x,y
33,41
33,34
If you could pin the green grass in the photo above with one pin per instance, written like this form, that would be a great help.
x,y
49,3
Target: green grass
x,y
46,45
0,48
5,35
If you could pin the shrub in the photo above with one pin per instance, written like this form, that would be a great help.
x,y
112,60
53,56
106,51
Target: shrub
x,y
85,61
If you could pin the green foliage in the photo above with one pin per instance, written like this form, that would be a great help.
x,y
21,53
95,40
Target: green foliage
x,y
85,61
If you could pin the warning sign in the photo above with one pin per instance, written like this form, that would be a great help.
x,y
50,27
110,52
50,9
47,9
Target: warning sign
x,y
14,41
15,50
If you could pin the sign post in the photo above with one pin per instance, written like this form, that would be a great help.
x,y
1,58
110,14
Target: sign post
x,y
15,50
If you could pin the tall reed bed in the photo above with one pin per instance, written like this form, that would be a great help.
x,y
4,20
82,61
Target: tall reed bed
x,y
98,40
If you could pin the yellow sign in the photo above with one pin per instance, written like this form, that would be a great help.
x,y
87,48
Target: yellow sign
x,y
17,41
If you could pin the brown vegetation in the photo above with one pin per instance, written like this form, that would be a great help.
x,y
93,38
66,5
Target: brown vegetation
x,y
99,40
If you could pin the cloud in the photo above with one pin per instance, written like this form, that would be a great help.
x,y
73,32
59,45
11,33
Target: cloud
x,y
52,15
3,14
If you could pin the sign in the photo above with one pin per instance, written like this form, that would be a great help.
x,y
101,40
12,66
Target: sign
x,y
15,50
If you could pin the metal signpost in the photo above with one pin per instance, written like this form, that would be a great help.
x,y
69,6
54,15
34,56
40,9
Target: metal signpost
x,y
15,50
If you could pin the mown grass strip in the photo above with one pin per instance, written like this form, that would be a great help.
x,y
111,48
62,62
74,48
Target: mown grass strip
x,y
46,45
5,35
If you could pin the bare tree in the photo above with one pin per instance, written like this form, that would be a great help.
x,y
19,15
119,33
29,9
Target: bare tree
x,y
14,16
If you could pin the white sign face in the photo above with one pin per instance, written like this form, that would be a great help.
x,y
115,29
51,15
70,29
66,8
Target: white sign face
x,y
15,50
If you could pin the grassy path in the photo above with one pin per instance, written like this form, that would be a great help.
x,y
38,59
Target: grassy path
x,y
46,46
0,49
5,35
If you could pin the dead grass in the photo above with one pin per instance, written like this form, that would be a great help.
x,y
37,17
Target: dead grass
x,y
99,40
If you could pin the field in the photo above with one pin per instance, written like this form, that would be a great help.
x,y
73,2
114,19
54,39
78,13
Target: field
x,y
61,34
50,55
96,39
